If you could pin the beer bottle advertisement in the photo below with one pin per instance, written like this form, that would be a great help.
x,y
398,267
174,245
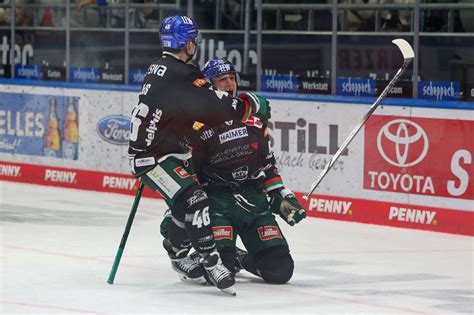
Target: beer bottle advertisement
x,y
39,125
70,131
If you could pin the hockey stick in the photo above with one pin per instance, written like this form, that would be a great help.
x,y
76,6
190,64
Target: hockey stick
x,y
408,55
128,227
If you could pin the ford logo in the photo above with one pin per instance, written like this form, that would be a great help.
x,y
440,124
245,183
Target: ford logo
x,y
114,129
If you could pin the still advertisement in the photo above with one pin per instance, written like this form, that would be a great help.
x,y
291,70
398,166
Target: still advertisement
x,y
426,156
305,135
39,125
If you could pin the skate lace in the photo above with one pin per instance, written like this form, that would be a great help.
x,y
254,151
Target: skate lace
x,y
219,272
186,264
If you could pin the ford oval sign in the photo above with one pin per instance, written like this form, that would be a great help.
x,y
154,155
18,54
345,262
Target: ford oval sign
x,y
114,129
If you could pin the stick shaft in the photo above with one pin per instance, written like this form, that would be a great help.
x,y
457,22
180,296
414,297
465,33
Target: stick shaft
x,y
351,136
128,227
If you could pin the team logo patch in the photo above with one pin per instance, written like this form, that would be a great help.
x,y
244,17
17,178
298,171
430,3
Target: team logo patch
x,y
199,82
233,134
198,195
223,232
181,172
241,173
269,232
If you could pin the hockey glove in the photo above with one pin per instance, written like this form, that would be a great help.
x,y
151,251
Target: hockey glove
x,y
284,203
259,105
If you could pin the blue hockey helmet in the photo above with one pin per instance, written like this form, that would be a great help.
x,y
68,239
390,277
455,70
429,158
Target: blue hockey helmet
x,y
175,31
216,67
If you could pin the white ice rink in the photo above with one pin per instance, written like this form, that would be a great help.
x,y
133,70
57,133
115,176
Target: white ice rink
x,y
57,248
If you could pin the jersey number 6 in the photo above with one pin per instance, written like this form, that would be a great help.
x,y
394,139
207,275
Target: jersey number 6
x,y
140,110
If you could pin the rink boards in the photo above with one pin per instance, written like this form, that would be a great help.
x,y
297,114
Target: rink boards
x,y
410,166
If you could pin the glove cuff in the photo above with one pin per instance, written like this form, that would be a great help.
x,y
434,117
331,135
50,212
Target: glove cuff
x,y
286,192
247,111
273,184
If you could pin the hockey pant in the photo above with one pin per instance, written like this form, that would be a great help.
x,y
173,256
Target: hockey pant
x,y
190,224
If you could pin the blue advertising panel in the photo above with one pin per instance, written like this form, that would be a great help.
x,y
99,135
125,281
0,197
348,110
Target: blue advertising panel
x,y
136,76
439,90
84,74
30,72
280,83
43,125
355,87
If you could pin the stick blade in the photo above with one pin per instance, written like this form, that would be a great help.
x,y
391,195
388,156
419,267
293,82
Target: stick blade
x,y
405,48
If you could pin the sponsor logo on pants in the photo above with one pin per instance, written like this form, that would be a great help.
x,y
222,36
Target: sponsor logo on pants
x,y
222,232
269,232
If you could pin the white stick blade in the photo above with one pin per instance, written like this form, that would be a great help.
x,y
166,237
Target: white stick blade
x,y
405,48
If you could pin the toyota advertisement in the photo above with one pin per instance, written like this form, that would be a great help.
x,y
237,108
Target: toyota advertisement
x,y
409,167
423,156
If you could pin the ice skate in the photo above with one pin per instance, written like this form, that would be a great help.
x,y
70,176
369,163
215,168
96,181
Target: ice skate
x,y
188,267
239,257
218,274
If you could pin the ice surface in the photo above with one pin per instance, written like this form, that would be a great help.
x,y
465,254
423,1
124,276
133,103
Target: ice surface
x,y
58,245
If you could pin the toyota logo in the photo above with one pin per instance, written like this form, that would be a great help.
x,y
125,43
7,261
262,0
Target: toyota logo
x,y
402,143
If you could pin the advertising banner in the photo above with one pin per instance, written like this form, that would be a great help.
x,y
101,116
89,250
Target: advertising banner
x,y
401,89
279,83
40,72
304,136
423,156
111,75
42,125
30,72
408,166
420,217
355,87
439,90
469,91
84,74
54,73
73,128
136,76
314,85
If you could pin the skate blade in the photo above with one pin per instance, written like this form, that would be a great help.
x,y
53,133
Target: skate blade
x,y
200,280
229,290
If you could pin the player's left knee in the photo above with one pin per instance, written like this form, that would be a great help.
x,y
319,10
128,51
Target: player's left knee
x,y
276,265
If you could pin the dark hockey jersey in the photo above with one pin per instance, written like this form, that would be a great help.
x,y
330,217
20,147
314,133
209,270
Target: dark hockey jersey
x,y
233,153
174,95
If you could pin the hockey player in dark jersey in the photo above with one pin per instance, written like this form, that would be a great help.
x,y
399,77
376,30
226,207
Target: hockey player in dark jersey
x,y
174,95
237,170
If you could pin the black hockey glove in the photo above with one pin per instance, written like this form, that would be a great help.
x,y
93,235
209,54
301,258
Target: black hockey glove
x,y
284,203
259,105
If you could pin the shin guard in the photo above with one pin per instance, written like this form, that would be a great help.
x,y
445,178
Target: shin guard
x,y
195,206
